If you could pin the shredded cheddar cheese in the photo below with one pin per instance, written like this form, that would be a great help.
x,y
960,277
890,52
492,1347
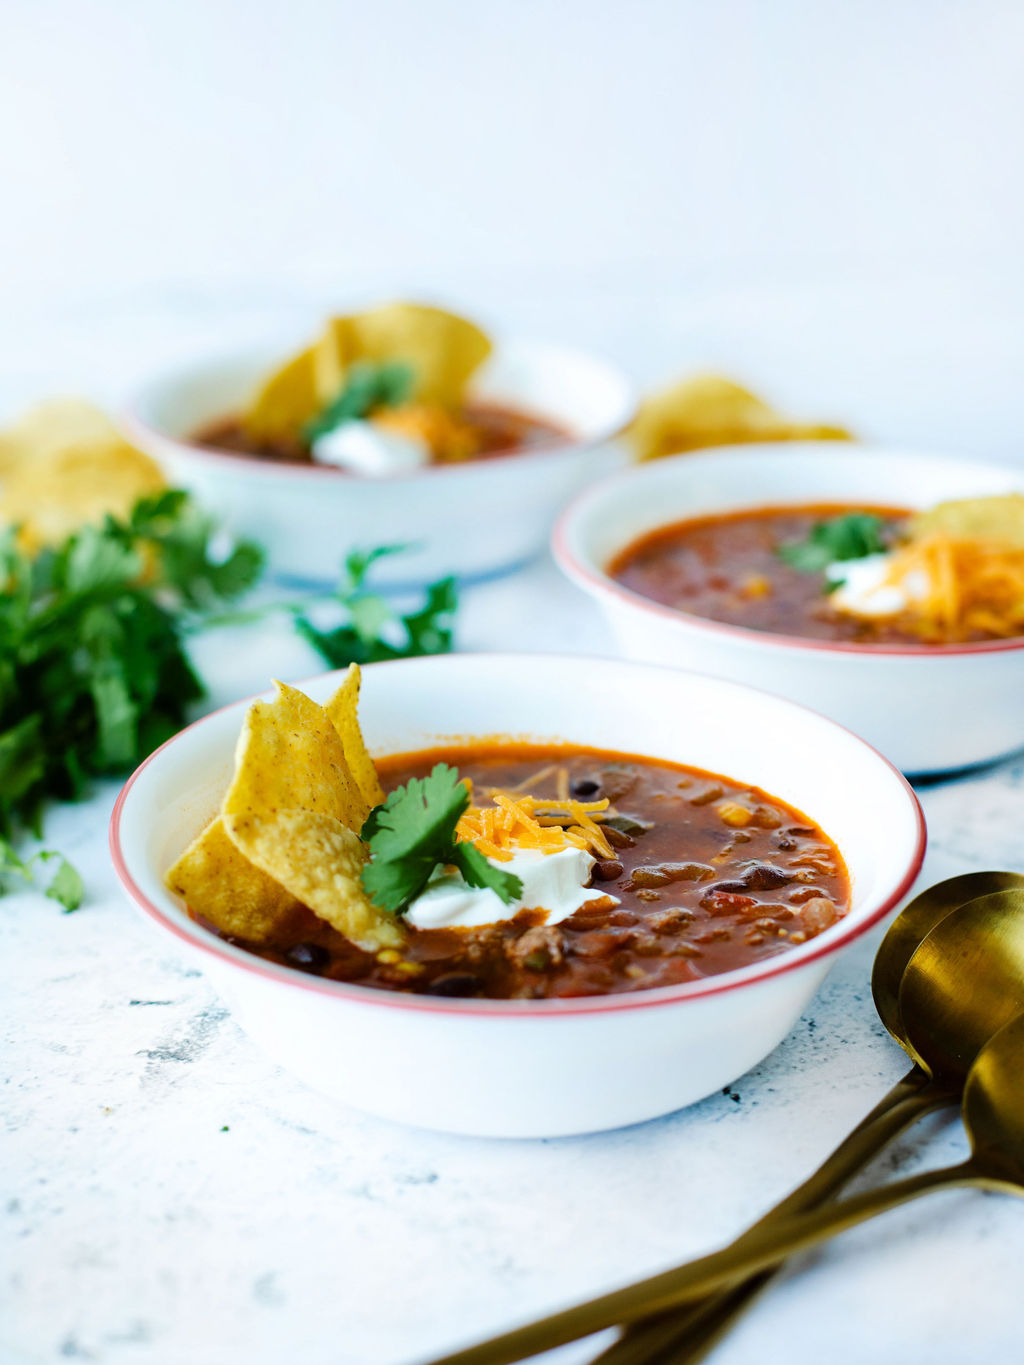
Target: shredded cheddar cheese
x,y
518,822
958,589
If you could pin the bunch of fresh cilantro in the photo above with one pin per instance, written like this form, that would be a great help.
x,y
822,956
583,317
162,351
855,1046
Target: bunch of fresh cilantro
x,y
93,668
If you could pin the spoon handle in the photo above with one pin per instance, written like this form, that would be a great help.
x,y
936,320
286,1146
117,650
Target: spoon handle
x,y
685,1335
756,1251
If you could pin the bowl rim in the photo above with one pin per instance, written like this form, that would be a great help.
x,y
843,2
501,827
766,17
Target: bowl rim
x,y
144,431
589,576
561,1007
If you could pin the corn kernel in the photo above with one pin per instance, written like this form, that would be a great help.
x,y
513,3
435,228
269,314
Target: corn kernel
x,y
389,957
732,813
756,586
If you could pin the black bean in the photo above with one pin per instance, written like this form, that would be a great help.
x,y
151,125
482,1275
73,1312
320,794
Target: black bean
x,y
585,788
607,869
309,955
453,983
661,874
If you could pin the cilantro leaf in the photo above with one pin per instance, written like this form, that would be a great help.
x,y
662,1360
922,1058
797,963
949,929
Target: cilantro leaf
x,y
478,871
65,885
413,833
371,629
847,537
368,386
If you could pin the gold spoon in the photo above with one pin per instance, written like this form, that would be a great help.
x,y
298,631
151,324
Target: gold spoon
x,y
986,936
685,1336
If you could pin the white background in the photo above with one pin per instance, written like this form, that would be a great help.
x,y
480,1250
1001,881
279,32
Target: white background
x,y
824,196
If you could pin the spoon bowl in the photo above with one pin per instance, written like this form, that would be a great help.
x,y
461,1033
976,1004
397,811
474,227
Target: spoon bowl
x,y
963,984
993,1113
913,925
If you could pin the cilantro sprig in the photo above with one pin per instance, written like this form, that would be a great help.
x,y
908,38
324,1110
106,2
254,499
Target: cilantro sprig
x,y
94,673
371,629
413,833
851,536
368,386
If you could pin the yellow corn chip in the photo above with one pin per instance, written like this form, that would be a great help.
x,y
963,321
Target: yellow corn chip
x,y
343,710
64,465
290,757
287,836
999,520
442,349
319,861
285,401
57,424
711,410
333,353
220,884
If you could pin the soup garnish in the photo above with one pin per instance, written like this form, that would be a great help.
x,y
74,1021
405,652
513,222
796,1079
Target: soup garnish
x,y
380,393
867,575
497,869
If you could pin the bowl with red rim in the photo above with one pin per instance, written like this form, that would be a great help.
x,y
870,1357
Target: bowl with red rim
x,y
473,518
930,708
534,1068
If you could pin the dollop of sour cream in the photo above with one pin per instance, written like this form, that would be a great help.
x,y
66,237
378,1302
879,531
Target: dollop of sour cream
x,y
365,448
555,882
863,589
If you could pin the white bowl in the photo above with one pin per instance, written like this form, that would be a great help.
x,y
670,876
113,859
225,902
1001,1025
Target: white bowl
x,y
930,709
472,519
537,1068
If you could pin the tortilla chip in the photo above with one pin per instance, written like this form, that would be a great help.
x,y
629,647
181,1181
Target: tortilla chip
x,y
217,882
287,836
286,400
290,757
443,350
315,858
998,520
65,465
56,425
711,410
343,710
333,353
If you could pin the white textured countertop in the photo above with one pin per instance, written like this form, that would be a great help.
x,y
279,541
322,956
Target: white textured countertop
x,y
169,1196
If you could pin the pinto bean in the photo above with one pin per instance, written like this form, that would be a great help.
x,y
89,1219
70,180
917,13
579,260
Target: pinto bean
x,y
818,914
663,874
